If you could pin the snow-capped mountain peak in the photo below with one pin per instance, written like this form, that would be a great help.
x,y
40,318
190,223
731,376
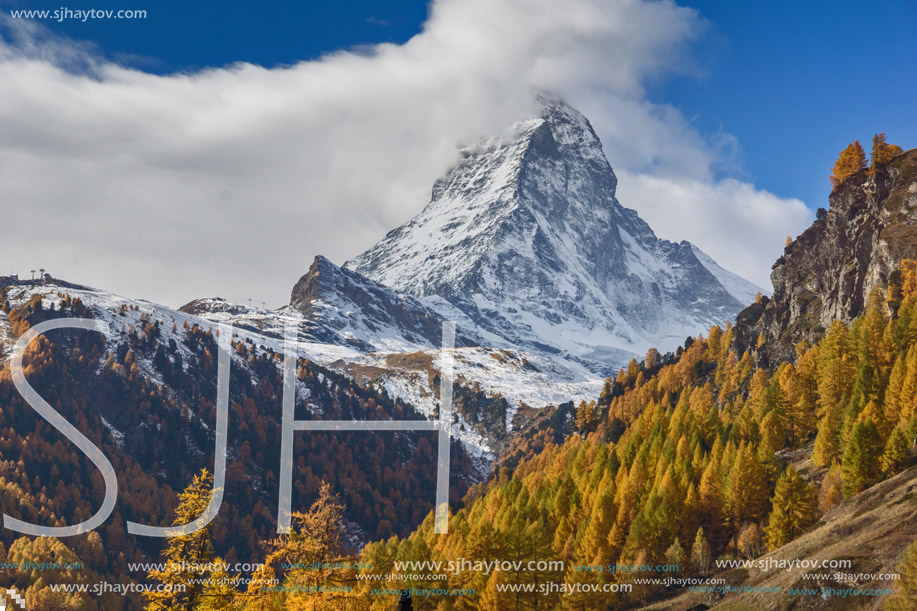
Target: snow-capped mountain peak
x,y
525,237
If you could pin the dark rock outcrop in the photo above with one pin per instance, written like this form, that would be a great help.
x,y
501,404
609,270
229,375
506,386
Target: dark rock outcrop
x,y
343,307
829,272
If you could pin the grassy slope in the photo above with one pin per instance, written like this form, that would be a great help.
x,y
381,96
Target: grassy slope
x,y
871,529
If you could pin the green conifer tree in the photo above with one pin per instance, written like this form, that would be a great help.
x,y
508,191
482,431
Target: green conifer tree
x,y
795,508
897,454
860,467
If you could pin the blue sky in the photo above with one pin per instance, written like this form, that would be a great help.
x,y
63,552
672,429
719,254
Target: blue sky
x,y
793,82
189,35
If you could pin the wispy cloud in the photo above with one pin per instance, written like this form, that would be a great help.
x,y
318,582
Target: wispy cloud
x,y
119,178
382,23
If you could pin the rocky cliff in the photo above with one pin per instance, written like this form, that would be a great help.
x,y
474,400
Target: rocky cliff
x,y
829,271
344,308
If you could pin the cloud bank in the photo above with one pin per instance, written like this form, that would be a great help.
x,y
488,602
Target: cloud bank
x,y
228,181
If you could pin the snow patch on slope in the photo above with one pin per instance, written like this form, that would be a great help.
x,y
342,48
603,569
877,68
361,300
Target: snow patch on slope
x,y
740,288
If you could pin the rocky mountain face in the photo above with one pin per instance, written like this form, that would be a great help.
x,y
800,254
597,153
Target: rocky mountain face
x,y
552,283
342,307
830,270
525,239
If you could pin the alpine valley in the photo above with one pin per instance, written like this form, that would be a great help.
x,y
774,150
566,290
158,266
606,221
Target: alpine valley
x,y
607,411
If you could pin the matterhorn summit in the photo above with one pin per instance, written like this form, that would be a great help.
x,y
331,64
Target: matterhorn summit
x,y
525,239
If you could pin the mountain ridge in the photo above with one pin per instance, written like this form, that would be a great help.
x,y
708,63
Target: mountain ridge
x,y
526,237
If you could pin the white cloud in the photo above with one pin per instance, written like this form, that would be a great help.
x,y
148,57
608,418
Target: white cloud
x,y
744,229
227,181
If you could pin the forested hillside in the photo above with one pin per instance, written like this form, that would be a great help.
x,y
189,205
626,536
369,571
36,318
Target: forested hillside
x,y
145,395
709,466
723,450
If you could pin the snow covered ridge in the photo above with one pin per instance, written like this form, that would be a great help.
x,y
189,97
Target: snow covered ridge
x,y
525,239
405,370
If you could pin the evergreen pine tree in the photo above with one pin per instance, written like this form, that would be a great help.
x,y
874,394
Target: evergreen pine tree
x,y
186,556
828,440
882,152
748,489
794,508
675,556
860,467
897,453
